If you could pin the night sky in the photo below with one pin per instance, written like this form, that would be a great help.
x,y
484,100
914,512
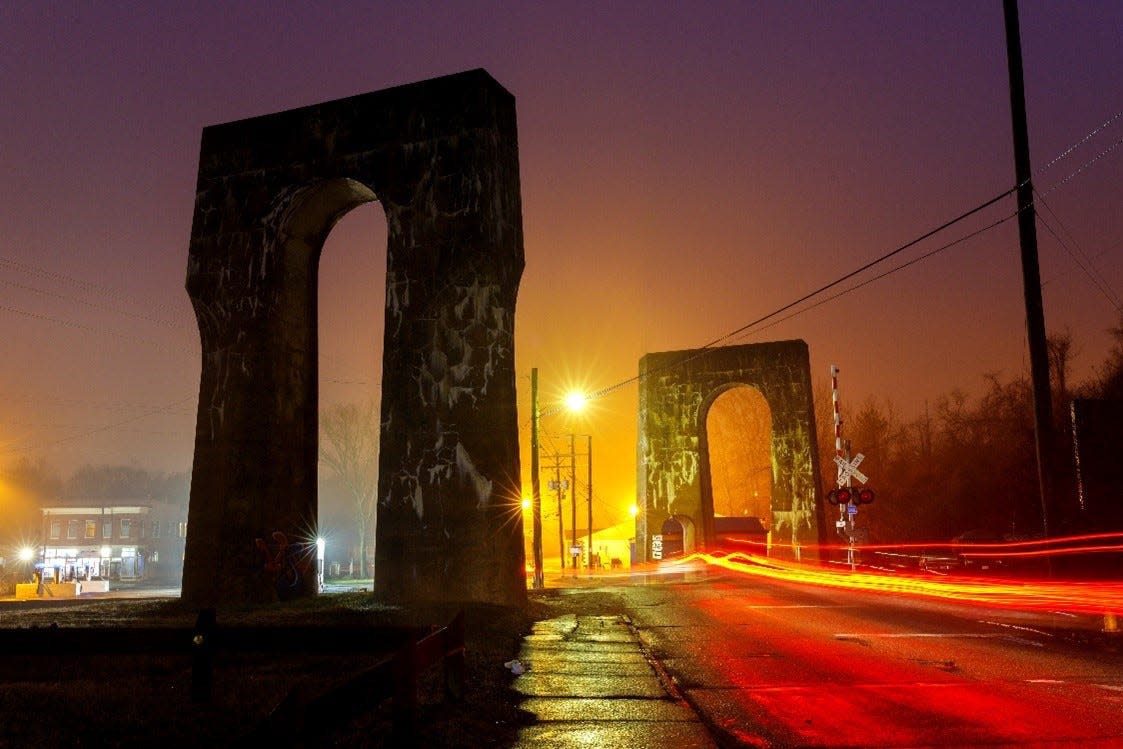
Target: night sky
x,y
686,169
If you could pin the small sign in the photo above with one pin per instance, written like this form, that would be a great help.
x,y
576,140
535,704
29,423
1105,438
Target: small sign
x,y
852,509
847,470
657,546
575,551
840,524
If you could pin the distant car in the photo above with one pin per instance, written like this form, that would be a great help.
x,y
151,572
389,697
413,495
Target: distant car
x,y
956,555
740,533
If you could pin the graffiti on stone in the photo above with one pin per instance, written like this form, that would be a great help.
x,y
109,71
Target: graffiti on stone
x,y
676,390
441,158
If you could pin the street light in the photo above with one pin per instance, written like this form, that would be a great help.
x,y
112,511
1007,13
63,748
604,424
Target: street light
x,y
535,487
575,401
321,545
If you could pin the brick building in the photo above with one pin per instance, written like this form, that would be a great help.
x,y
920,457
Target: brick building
x,y
113,540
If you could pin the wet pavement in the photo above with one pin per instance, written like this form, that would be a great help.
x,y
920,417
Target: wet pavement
x,y
589,682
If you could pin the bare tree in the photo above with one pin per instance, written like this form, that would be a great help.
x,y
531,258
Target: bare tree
x,y
1059,346
349,448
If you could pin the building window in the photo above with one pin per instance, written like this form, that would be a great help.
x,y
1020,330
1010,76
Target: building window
x,y
126,527
155,529
91,529
56,529
143,530
183,530
107,529
72,529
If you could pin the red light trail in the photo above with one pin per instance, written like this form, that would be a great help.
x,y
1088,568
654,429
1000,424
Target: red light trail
x,y
1072,596
1060,545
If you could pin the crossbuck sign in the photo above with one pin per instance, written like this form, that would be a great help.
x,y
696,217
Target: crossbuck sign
x,y
848,470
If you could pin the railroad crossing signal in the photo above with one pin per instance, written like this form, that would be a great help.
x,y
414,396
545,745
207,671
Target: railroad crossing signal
x,y
847,470
846,496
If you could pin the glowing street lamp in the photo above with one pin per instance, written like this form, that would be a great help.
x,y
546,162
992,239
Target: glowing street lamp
x,y
576,401
321,545
535,489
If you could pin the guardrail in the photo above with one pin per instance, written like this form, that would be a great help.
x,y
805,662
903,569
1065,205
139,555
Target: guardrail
x,y
407,652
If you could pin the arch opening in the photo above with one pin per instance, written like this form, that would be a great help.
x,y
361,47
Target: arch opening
x,y
678,536
350,322
738,460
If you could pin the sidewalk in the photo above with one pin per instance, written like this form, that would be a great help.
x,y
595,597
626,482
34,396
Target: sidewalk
x,y
590,684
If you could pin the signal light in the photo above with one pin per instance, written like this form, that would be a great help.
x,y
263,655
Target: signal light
x,y
864,496
840,496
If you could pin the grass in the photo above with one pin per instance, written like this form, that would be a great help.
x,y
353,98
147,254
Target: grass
x,y
96,701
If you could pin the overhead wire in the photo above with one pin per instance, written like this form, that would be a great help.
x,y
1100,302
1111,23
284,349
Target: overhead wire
x,y
736,334
1101,284
744,329
90,286
92,329
1091,134
167,408
751,327
92,305
889,272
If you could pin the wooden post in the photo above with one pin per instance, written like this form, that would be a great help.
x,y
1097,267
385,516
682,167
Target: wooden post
x,y
202,656
453,648
405,693
1031,273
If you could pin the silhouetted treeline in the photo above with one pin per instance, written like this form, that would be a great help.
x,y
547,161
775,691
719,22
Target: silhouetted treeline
x,y
30,484
967,462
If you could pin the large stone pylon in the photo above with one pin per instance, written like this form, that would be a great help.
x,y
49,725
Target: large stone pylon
x,y
441,156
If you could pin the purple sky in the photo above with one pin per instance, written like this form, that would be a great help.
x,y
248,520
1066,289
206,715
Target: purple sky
x,y
686,169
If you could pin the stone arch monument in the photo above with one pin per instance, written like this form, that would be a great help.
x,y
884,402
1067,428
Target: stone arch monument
x,y
677,389
441,156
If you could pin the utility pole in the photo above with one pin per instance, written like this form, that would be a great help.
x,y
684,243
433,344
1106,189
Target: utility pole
x,y
589,551
573,496
560,486
535,482
1031,273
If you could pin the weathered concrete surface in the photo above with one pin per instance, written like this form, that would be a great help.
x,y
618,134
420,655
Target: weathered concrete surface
x,y
677,389
589,683
442,158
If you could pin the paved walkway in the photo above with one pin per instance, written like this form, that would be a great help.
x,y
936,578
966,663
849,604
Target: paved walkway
x,y
590,684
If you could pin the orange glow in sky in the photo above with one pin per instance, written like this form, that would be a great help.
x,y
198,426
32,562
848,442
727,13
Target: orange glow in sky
x,y
685,168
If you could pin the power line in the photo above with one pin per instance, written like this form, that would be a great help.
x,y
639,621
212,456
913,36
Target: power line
x,y
745,329
1085,165
1085,261
889,272
90,286
168,408
1068,151
94,305
706,348
91,329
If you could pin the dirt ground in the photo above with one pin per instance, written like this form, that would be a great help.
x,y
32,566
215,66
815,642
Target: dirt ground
x,y
95,701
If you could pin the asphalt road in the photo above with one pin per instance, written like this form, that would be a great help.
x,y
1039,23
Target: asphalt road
x,y
775,664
